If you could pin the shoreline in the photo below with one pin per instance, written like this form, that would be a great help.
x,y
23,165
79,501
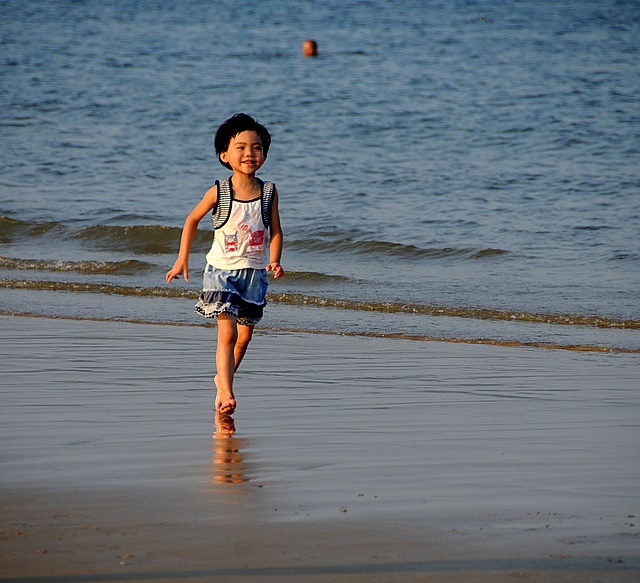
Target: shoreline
x,y
353,459
389,336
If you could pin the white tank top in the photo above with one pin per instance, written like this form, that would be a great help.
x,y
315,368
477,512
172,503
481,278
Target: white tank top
x,y
242,242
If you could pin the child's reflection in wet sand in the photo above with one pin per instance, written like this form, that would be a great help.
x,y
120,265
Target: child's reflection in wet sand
x,y
228,466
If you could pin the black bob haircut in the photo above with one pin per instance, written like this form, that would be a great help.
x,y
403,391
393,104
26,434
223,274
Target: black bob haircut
x,y
240,122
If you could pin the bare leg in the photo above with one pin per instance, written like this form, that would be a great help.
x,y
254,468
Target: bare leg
x,y
225,363
245,333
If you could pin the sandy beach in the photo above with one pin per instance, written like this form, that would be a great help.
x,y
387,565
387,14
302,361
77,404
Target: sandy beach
x,y
348,459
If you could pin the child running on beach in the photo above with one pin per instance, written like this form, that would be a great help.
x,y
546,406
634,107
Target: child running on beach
x,y
247,243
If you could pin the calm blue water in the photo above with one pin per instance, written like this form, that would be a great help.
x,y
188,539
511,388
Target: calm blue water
x,y
446,169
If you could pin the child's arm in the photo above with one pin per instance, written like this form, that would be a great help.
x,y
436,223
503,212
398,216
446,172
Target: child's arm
x,y
275,247
181,266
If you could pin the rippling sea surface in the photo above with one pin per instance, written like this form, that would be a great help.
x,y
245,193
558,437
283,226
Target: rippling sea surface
x,y
452,170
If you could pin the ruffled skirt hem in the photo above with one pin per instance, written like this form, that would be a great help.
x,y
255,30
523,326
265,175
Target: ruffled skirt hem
x,y
212,303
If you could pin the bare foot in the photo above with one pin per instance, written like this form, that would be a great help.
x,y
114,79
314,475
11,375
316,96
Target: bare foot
x,y
227,406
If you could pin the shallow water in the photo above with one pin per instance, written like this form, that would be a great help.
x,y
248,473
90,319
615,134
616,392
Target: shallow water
x,y
444,170
398,431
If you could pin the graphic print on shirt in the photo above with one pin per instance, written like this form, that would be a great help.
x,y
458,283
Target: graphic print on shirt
x,y
231,242
252,241
256,243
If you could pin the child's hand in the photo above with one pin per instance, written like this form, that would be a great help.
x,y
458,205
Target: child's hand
x,y
276,268
179,267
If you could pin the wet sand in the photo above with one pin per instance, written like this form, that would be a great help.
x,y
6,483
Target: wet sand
x,y
353,459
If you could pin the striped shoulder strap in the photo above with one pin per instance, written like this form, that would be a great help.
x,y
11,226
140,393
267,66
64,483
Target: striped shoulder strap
x,y
268,188
222,209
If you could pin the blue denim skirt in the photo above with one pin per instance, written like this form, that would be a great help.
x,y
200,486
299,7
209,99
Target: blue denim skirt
x,y
240,293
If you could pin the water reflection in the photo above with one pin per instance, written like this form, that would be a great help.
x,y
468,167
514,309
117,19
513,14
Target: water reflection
x,y
228,461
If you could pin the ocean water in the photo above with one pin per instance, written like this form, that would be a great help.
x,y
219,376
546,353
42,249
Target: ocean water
x,y
446,169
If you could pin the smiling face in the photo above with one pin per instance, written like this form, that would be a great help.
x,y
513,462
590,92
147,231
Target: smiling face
x,y
245,153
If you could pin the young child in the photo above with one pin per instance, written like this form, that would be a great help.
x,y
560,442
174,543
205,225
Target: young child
x,y
235,284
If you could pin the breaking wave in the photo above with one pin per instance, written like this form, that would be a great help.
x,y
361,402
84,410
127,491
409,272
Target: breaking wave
x,y
127,267
296,299
159,239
